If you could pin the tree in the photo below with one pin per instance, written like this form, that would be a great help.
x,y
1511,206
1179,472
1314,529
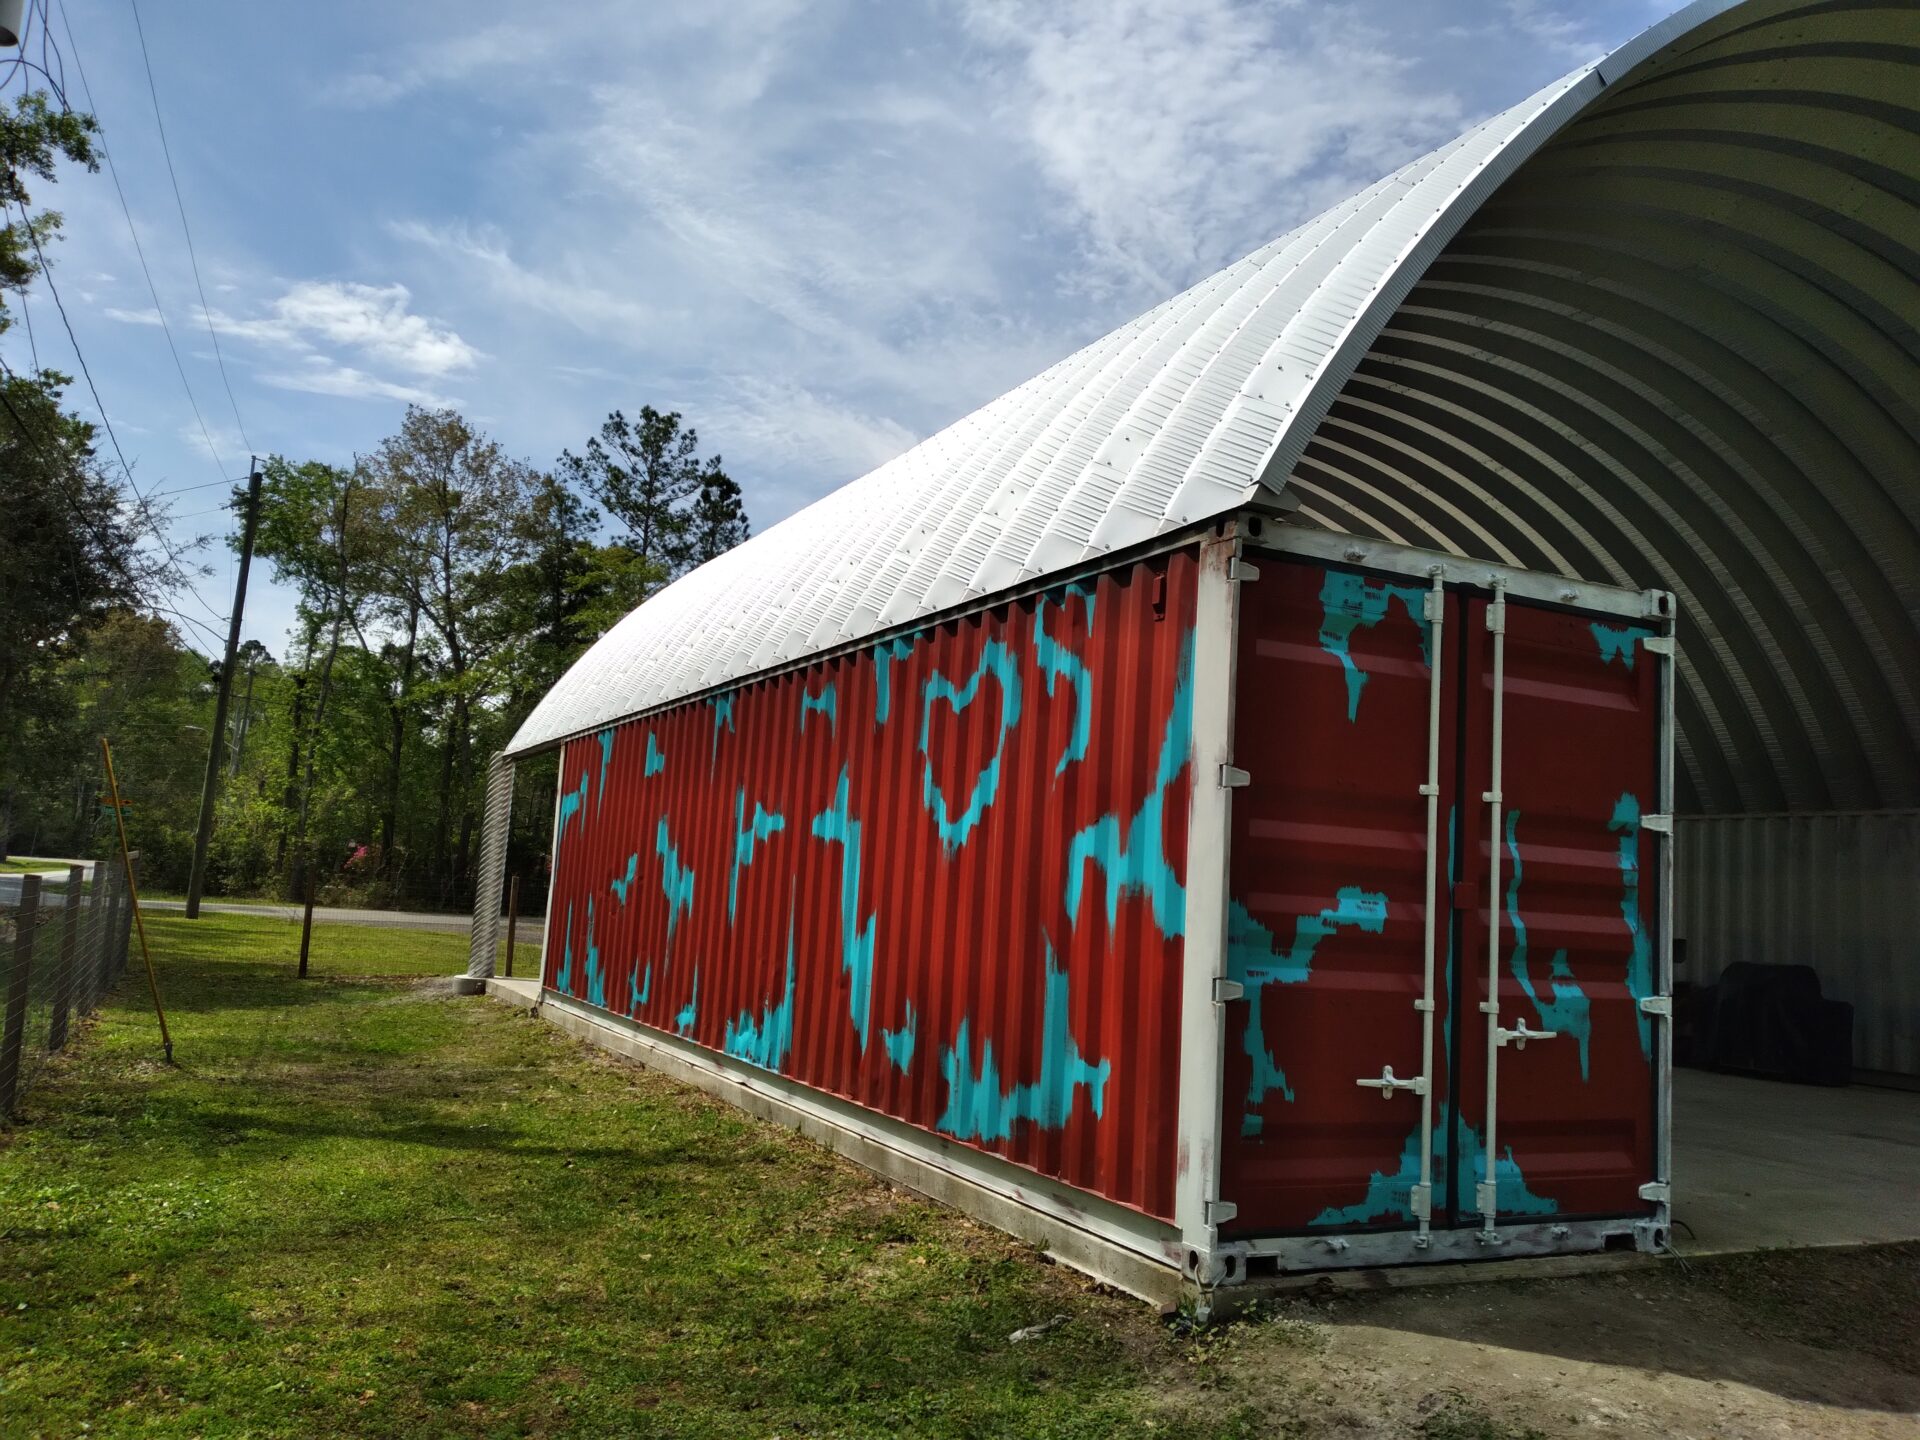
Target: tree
x,y
644,474
68,553
33,137
718,519
449,499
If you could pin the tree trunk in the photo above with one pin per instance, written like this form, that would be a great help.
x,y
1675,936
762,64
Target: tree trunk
x,y
397,712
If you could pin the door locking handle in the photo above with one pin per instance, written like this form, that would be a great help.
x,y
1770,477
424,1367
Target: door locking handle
x,y
1519,1035
1389,1082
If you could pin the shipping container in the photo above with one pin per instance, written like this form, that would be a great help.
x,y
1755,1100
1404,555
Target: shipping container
x,y
1267,901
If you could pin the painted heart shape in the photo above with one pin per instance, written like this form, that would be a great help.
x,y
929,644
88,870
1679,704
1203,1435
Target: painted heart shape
x,y
997,662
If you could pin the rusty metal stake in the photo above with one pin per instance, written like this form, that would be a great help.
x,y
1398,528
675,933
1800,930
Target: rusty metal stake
x,y
133,896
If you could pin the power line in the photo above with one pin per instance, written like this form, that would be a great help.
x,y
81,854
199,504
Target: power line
x,y
133,232
185,229
189,489
55,468
153,525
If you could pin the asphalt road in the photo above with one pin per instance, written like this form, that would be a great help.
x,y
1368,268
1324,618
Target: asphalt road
x,y
531,928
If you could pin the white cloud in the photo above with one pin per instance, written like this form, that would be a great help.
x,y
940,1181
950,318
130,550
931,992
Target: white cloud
x,y
1186,132
795,428
323,378
565,294
374,319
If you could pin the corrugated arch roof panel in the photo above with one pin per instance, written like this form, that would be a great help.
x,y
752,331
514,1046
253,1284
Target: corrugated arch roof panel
x,y
1171,419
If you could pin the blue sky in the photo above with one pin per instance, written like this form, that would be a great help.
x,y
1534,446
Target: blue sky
x,y
821,229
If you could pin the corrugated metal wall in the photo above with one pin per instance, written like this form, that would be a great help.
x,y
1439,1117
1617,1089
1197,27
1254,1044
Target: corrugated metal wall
x,y
1839,892
943,877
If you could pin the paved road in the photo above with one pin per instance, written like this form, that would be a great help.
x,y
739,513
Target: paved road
x,y
529,931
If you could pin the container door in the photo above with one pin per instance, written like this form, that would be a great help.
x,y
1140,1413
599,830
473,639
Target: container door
x,y
1554,905
1327,900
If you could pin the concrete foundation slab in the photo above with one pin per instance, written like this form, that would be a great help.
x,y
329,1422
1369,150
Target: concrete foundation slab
x,y
1759,1164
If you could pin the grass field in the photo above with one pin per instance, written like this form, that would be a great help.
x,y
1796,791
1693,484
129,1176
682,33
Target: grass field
x,y
362,1207
356,1208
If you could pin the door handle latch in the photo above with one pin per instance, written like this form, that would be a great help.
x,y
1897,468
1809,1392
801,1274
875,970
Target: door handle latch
x,y
1389,1082
1519,1035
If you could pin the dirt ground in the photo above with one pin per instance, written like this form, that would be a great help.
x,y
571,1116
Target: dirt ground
x,y
1808,1343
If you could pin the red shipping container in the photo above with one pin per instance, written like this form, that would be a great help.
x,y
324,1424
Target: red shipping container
x,y
1178,890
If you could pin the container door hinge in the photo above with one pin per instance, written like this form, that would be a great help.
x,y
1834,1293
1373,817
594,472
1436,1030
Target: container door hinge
x,y
1243,572
1486,1199
1659,824
1658,1191
1232,777
1657,1005
1219,1212
1225,990
1658,644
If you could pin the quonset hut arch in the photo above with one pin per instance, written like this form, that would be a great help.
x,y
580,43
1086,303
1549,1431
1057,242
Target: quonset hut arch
x,y
1656,325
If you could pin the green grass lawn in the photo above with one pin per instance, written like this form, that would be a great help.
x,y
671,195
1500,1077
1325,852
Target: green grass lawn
x,y
359,1207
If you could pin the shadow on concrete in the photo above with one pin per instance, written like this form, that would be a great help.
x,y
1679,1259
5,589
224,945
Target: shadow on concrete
x,y
1833,1327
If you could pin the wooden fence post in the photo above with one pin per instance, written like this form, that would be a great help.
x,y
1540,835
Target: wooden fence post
x,y
13,1032
64,975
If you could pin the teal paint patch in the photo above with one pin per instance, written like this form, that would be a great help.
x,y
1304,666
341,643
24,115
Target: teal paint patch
x,y
1254,959
1058,662
900,1042
764,826
1350,602
596,977
605,737
1511,1195
997,660
1619,642
722,707
979,1107
883,657
1389,1196
837,826
620,887
637,989
1626,820
563,982
656,758
1569,1012
765,1041
826,703
683,1022
676,880
1133,858
572,803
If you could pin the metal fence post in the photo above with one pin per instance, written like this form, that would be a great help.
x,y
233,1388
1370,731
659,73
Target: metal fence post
x,y
13,1033
124,940
484,942
64,970
89,988
106,926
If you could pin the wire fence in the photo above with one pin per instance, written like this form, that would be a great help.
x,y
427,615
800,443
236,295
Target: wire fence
x,y
63,945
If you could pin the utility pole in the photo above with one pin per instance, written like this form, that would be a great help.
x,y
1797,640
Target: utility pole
x,y
245,721
217,738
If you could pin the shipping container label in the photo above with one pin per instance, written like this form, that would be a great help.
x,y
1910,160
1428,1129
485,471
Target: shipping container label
x,y
942,877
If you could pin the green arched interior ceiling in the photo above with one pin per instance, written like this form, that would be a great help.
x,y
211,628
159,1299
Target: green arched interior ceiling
x,y
1680,346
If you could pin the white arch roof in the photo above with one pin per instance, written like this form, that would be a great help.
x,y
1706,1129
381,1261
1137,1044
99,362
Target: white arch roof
x,y
1489,411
